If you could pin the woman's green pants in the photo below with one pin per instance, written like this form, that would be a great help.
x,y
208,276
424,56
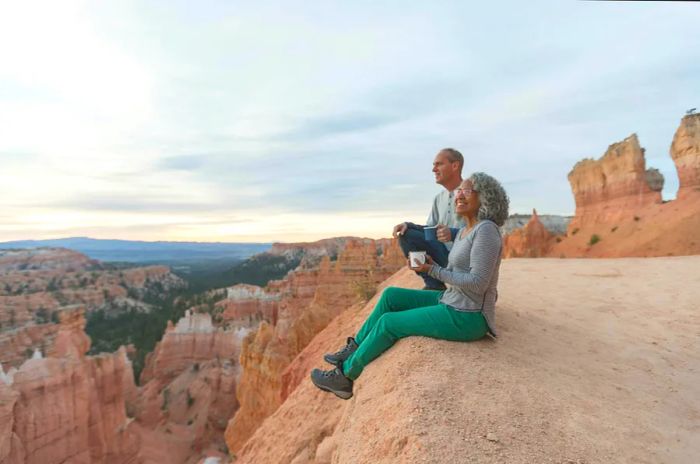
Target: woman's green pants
x,y
401,312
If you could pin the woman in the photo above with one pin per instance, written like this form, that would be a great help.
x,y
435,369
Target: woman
x,y
463,312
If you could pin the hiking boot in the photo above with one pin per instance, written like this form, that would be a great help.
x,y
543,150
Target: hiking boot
x,y
339,357
333,381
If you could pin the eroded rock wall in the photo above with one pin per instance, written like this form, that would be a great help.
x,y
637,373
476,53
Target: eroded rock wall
x,y
614,185
310,299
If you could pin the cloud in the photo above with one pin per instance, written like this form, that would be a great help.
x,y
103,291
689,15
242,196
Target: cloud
x,y
184,162
328,112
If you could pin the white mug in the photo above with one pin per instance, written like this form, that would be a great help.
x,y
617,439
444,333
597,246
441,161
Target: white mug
x,y
416,258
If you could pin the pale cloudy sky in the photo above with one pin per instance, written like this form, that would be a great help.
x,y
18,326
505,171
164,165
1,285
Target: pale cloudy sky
x,y
297,120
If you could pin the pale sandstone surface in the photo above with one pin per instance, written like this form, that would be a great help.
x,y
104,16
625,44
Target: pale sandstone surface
x,y
685,151
309,300
597,361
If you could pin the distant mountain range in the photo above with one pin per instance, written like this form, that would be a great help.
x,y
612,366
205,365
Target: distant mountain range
x,y
171,253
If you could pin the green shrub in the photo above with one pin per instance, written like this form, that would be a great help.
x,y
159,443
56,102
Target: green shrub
x,y
594,239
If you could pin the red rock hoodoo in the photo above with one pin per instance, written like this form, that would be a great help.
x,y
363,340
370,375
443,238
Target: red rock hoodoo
x,y
685,151
531,241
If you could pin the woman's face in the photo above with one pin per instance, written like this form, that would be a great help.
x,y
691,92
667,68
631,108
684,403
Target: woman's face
x,y
466,199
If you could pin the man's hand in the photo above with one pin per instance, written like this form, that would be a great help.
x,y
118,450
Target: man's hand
x,y
444,234
423,267
399,229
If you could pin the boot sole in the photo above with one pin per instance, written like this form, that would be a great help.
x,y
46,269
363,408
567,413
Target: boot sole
x,y
340,394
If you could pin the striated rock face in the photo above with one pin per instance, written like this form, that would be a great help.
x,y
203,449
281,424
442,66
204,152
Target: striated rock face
x,y
194,339
685,151
309,300
72,410
189,384
532,241
245,305
67,338
614,185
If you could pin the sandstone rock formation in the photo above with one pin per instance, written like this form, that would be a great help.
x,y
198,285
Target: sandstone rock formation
x,y
69,408
556,224
189,384
685,151
532,241
309,300
619,211
612,186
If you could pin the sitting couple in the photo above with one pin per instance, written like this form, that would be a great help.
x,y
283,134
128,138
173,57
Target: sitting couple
x,y
460,275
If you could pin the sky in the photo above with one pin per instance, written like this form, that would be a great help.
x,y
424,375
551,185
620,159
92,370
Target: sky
x,y
293,121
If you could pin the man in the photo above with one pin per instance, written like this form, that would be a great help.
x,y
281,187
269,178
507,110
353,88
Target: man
x,y
447,168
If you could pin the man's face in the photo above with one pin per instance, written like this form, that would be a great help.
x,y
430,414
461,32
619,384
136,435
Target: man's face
x,y
444,169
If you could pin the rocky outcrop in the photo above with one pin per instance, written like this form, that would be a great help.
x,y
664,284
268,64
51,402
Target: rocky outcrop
x,y
66,338
189,384
555,224
71,410
194,339
309,300
246,305
532,241
618,205
614,185
685,151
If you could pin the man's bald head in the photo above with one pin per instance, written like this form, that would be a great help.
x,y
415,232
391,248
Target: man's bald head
x,y
454,156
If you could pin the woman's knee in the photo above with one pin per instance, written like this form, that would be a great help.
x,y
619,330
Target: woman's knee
x,y
389,293
388,323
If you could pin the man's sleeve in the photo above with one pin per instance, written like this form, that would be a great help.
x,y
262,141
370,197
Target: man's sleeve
x,y
434,217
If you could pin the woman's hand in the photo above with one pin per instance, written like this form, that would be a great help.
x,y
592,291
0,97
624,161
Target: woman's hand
x,y
423,267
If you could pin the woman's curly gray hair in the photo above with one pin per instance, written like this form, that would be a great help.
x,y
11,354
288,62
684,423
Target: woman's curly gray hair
x,y
492,196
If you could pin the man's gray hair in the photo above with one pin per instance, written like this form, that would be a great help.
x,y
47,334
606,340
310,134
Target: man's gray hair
x,y
492,196
453,155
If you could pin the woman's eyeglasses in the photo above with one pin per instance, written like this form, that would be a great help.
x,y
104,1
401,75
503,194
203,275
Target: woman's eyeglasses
x,y
465,191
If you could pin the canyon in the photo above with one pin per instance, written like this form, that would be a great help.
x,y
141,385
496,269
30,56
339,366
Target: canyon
x,y
206,367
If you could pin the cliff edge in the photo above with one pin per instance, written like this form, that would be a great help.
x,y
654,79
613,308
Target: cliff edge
x,y
585,370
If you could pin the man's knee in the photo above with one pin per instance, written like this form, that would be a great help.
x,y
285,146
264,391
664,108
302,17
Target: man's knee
x,y
412,240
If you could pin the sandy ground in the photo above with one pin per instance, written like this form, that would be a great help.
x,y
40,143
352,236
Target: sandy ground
x,y
597,361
